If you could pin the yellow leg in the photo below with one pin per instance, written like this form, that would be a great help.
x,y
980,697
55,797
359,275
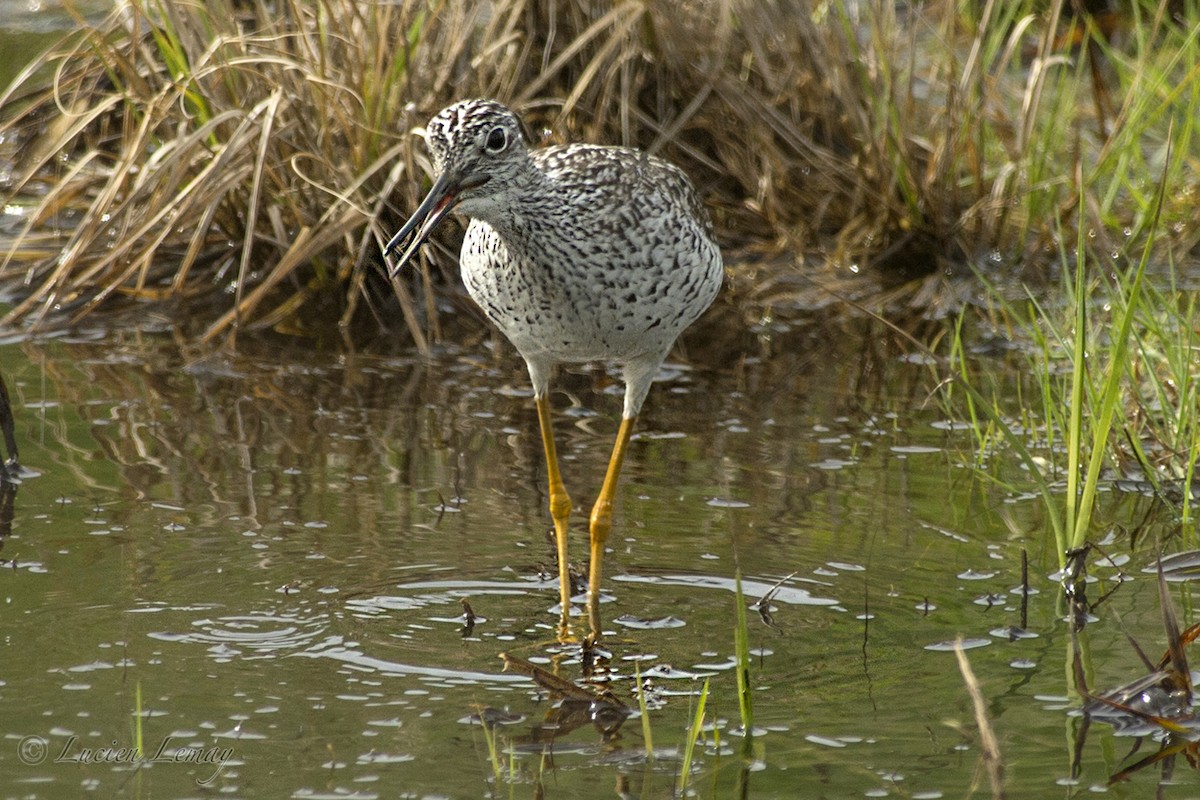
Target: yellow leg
x,y
601,523
560,512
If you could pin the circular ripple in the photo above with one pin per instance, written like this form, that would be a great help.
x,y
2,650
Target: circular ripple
x,y
261,633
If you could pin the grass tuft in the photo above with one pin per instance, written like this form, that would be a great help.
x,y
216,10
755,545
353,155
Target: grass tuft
x,y
1112,357
242,161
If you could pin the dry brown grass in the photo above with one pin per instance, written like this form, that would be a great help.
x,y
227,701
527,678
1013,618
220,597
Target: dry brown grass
x,y
243,161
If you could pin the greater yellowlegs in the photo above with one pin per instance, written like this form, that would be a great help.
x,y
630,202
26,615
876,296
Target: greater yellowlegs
x,y
577,253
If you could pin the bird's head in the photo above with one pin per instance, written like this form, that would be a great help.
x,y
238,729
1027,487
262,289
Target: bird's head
x,y
478,152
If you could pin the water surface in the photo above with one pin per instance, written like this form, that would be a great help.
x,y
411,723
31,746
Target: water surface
x,y
271,547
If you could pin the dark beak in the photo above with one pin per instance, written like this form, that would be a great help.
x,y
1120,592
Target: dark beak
x,y
436,205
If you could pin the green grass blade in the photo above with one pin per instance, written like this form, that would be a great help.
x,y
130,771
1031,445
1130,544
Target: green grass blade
x,y
741,642
1115,374
689,748
1077,399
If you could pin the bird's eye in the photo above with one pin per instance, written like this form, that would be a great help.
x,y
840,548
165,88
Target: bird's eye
x,y
497,140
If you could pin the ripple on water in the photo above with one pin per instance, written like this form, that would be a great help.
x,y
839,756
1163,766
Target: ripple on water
x,y
432,594
950,644
350,654
261,633
639,623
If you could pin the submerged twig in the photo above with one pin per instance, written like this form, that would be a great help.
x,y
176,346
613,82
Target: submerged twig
x,y
763,604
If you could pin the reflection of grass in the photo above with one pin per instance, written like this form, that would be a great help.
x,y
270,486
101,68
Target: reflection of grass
x,y
1112,394
505,772
644,713
741,648
491,739
990,756
248,153
138,740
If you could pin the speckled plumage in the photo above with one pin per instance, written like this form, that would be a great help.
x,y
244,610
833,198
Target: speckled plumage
x,y
577,252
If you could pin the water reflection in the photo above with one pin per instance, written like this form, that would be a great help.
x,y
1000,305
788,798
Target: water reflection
x,y
8,496
276,546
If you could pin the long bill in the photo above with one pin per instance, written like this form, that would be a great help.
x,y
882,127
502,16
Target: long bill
x,y
436,205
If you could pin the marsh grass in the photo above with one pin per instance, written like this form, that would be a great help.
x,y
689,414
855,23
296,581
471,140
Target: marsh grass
x,y
243,161
694,733
1115,375
741,649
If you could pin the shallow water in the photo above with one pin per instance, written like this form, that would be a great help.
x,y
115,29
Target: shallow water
x,y
271,548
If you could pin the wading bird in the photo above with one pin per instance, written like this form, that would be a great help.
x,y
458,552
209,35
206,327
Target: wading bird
x,y
577,253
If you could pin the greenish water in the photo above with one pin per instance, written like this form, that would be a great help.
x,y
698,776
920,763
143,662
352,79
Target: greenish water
x,y
272,548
